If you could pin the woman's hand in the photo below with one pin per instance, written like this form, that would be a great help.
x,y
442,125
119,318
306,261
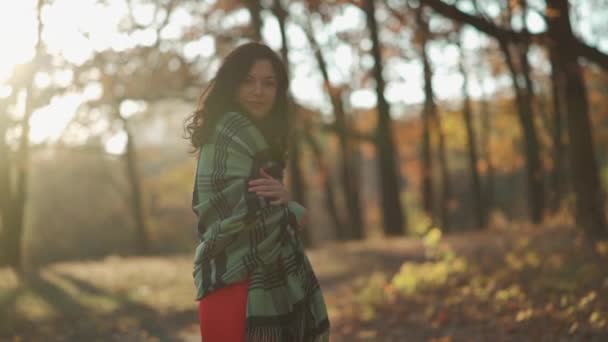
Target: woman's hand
x,y
269,187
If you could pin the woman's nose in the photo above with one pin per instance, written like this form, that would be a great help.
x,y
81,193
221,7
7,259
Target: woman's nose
x,y
257,89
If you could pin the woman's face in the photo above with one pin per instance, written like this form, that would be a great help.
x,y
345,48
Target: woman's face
x,y
258,90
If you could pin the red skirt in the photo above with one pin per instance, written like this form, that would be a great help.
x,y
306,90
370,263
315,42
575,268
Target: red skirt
x,y
222,314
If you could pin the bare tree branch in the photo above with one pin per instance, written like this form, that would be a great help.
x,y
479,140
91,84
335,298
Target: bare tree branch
x,y
484,25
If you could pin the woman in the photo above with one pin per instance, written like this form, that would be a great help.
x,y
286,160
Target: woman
x,y
253,280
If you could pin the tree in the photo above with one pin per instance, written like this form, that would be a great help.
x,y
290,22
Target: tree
x,y
352,228
295,170
467,111
154,77
589,195
430,115
6,188
14,198
484,142
558,174
255,9
325,175
394,220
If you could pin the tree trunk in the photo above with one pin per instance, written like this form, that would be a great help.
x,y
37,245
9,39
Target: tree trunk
x,y
446,187
427,162
15,224
130,156
295,176
480,209
325,176
281,15
485,134
528,98
557,89
347,146
14,215
430,114
393,215
6,191
255,10
524,114
589,194
297,183
355,160
351,193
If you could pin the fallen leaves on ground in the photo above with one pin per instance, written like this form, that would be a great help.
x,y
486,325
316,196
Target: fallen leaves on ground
x,y
516,283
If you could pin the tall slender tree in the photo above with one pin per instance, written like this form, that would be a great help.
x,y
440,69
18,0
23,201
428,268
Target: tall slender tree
x,y
559,177
394,220
534,181
134,178
255,12
13,210
6,191
326,183
432,123
429,106
467,111
354,221
590,195
484,143
295,170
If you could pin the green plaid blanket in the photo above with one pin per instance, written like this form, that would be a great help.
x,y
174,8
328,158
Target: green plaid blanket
x,y
243,236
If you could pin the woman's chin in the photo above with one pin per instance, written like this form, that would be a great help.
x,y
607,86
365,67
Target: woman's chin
x,y
258,114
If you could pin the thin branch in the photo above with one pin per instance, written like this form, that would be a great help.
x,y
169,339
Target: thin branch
x,y
589,52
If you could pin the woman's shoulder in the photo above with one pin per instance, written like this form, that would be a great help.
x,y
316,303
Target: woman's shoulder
x,y
232,124
232,118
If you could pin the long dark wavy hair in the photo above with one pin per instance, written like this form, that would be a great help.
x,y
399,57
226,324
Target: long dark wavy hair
x,y
220,96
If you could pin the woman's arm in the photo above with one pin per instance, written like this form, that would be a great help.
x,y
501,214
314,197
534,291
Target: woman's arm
x,y
273,189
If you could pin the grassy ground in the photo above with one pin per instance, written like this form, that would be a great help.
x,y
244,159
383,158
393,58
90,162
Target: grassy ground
x,y
517,283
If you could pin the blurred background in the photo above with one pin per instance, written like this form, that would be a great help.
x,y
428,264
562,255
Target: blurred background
x,y
459,147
